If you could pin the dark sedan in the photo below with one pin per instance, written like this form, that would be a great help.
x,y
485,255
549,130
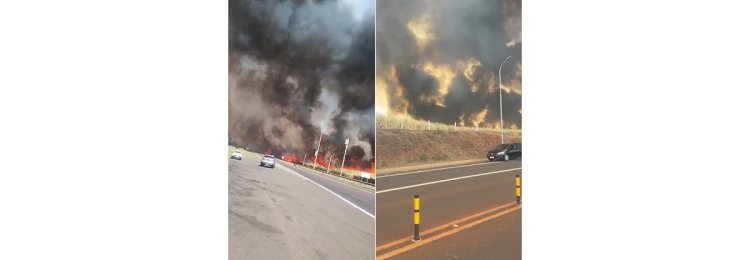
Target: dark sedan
x,y
505,152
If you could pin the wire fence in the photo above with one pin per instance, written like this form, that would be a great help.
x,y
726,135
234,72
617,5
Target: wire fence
x,y
389,122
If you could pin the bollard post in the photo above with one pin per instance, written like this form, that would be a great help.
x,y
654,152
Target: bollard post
x,y
518,190
416,218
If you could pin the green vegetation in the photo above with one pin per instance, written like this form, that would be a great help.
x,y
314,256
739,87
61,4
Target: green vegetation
x,y
441,157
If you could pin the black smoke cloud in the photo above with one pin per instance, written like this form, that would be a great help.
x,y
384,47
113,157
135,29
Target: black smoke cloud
x,y
461,30
299,68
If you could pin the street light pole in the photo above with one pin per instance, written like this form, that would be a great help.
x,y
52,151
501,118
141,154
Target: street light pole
x,y
500,80
315,163
343,159
330,158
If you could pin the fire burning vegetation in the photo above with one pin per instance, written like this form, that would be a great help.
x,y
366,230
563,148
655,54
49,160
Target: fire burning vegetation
x,y
438,61
300,71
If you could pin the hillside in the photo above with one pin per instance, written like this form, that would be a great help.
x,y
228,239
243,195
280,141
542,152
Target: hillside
x,y
397,148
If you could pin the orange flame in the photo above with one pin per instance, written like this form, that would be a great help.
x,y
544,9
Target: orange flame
x,y
291,158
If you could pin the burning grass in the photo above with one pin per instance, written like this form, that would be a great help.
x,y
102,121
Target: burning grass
x,y
349,172
352,168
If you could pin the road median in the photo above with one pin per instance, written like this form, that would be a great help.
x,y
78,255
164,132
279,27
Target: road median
x,y
399,246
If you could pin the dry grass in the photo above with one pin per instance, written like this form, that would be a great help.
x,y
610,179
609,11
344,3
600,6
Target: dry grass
x,y
399,148
231,149
391,122
335,170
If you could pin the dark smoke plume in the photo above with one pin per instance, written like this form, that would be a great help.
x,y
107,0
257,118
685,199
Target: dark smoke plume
x,y
457,31
299,68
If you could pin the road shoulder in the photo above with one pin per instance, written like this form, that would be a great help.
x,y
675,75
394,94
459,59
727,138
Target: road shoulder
x,y
420,167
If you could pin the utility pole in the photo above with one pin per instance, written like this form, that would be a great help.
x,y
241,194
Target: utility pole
x,y
330,158
315,163
343,159
500,80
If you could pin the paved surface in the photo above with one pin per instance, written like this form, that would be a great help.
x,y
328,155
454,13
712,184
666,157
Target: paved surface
x,y
446,201
394,170
499,238
277,214
360,194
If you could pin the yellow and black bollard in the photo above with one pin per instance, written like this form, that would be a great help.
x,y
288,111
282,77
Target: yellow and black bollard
x,y
518,190
416,218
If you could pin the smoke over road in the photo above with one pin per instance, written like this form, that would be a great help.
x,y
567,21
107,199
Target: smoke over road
x,y
298,69
438,60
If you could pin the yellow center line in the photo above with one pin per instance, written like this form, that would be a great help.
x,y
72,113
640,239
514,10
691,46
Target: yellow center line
x,y
445,234
429,231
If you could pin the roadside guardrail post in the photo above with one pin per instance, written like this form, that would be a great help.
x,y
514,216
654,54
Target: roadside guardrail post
x,y
518,190
416,218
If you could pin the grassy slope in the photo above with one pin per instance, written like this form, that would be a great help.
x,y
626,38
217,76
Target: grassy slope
x,y
396,148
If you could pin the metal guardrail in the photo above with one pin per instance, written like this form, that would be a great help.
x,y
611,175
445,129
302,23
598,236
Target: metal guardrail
x,y
336,173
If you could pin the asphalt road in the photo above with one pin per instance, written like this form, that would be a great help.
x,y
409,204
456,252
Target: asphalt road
x,y
480,187
362,198
281,214
497,239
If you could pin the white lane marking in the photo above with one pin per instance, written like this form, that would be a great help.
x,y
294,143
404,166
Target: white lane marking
x,y
333,178
445,180
436,169
342,198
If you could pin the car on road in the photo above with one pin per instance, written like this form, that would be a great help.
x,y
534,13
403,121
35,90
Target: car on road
x,y
237,155
505,152
268,161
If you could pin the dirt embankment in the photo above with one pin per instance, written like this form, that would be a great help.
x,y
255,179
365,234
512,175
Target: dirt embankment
x,y
397,148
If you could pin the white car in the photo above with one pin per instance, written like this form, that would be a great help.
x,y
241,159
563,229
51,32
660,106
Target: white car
x,y
268,161
237,155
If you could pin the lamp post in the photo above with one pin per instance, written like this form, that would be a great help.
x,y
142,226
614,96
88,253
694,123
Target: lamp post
x,y
315,163
500,80
330,159
343,159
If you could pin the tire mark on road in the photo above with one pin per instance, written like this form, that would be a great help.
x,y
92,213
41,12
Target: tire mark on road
x,y
253,220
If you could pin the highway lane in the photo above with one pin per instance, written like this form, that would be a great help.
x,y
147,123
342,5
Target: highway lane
x,y
446,195
423,176
280,214
499,238
362,198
